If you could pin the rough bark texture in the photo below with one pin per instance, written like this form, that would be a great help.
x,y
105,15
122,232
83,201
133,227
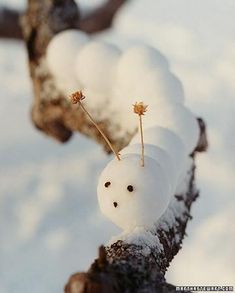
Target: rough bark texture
x,y
126,267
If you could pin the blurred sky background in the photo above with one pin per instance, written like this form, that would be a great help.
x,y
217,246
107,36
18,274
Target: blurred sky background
x,y
50,225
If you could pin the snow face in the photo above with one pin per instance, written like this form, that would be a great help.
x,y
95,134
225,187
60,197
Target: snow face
x,y
60,56
96,64
131,195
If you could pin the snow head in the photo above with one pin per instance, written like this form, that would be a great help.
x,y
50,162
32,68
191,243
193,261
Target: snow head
x,y
131,195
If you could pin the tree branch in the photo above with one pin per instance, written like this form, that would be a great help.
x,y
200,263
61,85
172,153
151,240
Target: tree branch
x,y
10,24
101,18
138,262
51,112
95,21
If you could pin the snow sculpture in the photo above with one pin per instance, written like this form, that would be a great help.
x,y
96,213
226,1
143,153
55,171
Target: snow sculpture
x,y
136,187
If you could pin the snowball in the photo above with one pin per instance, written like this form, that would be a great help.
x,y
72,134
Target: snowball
x,y
131,195
176,118
62,51
159,155
67,85
95,100
135,63
159,85
168,141
143,73
96,65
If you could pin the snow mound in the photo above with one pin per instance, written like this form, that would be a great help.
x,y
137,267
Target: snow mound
x,y
96,64
60,57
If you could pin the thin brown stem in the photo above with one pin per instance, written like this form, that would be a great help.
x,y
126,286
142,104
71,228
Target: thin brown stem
x,y
142,141
101,132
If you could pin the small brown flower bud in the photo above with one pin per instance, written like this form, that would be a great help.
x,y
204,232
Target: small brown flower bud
x,y
139,108
77,97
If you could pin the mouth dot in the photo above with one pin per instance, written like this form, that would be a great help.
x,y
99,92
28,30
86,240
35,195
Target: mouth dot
x,y
115,204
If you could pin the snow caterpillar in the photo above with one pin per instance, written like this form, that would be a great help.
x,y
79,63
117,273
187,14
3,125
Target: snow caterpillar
x,y
135,188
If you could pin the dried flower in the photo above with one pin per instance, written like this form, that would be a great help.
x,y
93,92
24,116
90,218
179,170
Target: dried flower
x,y
140,108
77,97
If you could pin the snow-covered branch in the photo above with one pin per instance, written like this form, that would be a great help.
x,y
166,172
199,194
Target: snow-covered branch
x,y
51,113
138,262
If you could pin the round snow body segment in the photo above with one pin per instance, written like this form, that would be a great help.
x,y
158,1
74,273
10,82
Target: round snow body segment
x,y
95,101
166,140
158,86
135,63
131,195
96,66
62,51
176,118
159,155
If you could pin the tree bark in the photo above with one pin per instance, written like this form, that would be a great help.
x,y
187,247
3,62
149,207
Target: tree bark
x,y
10,24
101,18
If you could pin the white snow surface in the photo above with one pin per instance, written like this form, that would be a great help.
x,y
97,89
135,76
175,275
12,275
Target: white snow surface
x,y
176,118
167,140
49,220
61,55
142,237
96,66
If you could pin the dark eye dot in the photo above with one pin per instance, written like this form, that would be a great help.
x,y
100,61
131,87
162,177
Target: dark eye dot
x,y
107,184
115,204
130,188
